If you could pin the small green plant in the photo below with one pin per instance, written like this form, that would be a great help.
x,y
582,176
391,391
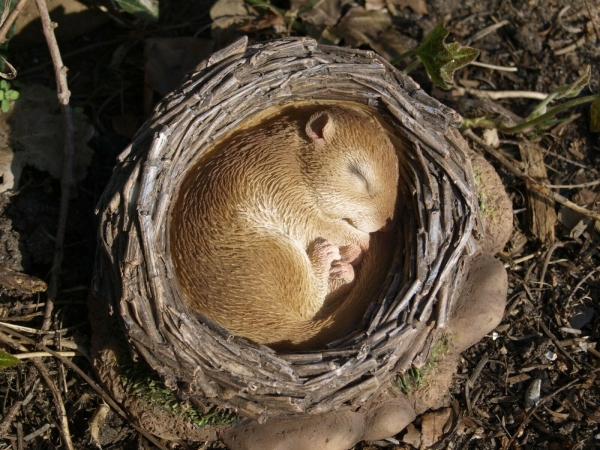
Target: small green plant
x,y
7,95
414,377
540,116
441,60
7,360
139,380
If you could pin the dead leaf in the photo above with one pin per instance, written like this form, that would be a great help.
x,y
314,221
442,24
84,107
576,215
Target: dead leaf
x,y
167,60
360,27
412,436
227,16
418,6
373,28
432,426
97,421
36,137
267,21
327,13
229,8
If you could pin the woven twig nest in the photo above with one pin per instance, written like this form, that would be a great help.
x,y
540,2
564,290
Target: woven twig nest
x,y
204,362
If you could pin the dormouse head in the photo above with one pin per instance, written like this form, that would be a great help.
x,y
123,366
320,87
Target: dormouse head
x,y
352,166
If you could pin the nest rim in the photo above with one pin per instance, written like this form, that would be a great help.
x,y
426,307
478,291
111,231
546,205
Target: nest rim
x,y
135,275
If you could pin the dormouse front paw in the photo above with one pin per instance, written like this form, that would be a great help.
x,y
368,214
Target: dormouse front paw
x,y
322,253
342,272
351,254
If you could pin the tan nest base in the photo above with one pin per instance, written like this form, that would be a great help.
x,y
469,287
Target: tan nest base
x,y
203,362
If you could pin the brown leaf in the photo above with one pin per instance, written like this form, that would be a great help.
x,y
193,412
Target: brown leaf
x,y
267,21
37,134
418,6
360,27
327,13
432,426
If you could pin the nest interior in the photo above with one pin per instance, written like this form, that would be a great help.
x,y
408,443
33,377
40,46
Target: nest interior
x,y
203,361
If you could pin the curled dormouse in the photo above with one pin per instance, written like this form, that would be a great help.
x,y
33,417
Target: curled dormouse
x,y
271,232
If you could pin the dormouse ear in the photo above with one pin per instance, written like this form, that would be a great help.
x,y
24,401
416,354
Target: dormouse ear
x,y
319,126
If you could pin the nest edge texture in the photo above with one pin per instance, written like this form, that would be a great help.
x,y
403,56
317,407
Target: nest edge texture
x,y
202,361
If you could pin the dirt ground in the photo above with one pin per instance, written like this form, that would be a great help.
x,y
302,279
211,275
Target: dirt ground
x,y
119,66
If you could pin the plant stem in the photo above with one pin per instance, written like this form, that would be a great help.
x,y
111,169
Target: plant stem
x,y
411,66
60,73
404,55
553,112
10,20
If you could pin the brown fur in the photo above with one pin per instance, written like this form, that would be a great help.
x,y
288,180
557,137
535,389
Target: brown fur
x,y
266,233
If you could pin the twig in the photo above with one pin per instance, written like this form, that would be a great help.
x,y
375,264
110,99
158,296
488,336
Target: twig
x,y
10,19
534,409
583,280
497,95
547,261
41,430
43,354
556,155
494,67
60,406
482,33
89,381
570,48
60,72
573,186
9,416
533,184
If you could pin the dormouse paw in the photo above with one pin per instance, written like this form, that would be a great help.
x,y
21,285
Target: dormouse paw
x,y
351,254
341,271
323,253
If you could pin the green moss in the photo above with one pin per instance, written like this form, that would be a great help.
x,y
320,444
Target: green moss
x,y
414,378
486,208
141,381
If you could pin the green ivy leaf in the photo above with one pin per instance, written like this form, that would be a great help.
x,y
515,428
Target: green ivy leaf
x,y
12,95
1,95
7,360
144,9
441,60
595,116
4,85
5,106
573,89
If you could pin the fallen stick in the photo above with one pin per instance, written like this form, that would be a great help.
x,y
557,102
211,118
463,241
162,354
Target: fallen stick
x,y
532,184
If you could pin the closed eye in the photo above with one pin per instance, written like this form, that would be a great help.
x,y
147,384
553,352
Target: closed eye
x,y
358,174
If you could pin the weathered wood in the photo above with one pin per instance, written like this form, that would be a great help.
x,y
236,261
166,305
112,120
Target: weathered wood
x,y
135,273
541,215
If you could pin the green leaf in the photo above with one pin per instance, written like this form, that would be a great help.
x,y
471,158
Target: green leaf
x,y
573,89
569,91
4,85
12,95
7,360
1,95
442,60
5,106
144,9
595,116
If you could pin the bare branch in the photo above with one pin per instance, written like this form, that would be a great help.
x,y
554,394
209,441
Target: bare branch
x,y
60,72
